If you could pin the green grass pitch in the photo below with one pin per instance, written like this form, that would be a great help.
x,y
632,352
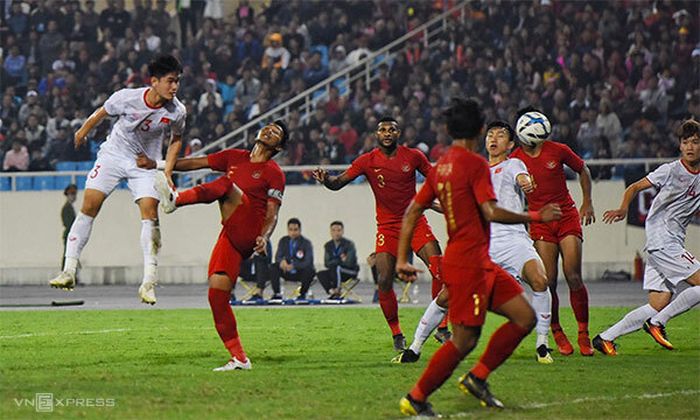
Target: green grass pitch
x,y
319,363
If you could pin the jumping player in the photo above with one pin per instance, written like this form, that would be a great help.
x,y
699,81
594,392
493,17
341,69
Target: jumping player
x,y
146,117
474,283
390,170
545,163
511,247
668,262
249,195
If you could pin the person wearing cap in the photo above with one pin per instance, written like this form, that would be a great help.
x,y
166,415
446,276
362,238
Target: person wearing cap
x,y
194,146
339,59
68,215
275,56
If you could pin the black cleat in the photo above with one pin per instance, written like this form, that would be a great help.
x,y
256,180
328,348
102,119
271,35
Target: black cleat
x,y
406,356
608,348
443,335
399,342
411,407
470,384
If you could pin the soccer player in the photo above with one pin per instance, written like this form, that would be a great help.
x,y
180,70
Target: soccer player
x,y
668,262
390,170
545,162
146,117
461,182
511,247
249,196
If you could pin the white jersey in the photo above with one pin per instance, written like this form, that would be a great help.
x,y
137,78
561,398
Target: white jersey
x,y
673,207
509,195
140,127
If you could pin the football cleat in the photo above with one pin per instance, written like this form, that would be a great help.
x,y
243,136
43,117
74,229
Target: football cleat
x,y
443,335
399,342
167,194
406,356
658,333
147,292
64,281
563,343
276,299
606,347
256,298
584,344
470,384
235,364
411,407
544,355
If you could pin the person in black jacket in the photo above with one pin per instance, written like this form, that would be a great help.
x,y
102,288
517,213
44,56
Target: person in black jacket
x,y
340,259
294,261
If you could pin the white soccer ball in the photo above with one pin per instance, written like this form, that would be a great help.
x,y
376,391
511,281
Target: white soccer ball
x,y
533,128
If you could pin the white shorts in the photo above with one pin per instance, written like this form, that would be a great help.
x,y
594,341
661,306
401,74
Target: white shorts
x,y
667,267
511,253
110,169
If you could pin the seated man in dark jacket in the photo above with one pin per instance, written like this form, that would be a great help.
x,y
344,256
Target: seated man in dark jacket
x,y
340,259
294,261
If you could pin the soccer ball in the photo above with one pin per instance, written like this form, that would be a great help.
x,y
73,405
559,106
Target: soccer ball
x,y
533,128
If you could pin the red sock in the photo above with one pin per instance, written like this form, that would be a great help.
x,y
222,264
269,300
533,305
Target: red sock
x,y
579,303
225,322
501,345
441,366
555,308
205,193
390,308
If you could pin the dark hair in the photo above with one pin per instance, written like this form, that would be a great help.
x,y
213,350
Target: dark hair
x,y
70,187
387,119
294,221
463,118
525,110
163,65
502,124
688,129
285,132
337,223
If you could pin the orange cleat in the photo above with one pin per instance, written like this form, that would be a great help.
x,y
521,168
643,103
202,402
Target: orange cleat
x,y
584,344
608,348
658,333
563,344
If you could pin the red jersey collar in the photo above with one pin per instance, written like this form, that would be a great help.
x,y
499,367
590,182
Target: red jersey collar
x,y
688,169
145,101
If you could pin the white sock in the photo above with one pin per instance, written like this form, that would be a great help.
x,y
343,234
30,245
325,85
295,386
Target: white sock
x,y
76,241
542,304
428,323
630,323
683,302
150,244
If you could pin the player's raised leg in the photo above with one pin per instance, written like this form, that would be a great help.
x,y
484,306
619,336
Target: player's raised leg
x,y
570,248
78,238
534,274
385,263
687,299
150,245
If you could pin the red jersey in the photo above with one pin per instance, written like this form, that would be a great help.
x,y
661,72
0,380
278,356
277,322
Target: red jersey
x,y
261,181
547,172
461,181
393,179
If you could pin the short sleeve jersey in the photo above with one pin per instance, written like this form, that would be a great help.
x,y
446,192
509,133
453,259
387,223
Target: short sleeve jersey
x,y
261,181
673,207
141,128
393,180
547,172
509,194
461,181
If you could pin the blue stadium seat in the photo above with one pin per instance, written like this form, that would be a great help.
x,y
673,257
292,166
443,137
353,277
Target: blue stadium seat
x,y
182,180
211,177
85,165
44,183
61,182
66,166
23,183
342,85
5,183
94,147
323,50
80,182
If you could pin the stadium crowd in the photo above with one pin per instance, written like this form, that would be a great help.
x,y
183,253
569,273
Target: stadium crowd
x,y
615,78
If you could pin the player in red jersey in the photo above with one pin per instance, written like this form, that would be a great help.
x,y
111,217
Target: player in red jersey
x,y
390,170
249,195
462,182
545,162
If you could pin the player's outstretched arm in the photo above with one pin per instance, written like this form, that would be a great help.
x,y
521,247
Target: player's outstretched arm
x,y
586,211
404,269
92,121
182,164
273,209
612,216
493,213
333,183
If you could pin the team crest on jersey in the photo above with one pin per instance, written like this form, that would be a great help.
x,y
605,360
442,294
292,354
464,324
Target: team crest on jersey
x,y
551,164
165,120
405,168
498,170
257,175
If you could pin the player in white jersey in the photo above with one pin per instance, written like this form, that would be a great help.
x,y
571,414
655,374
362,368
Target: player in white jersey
x,y
510,247
668,262
145,117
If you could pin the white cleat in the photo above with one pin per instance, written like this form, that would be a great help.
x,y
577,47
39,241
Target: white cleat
x,y
147,292
235,364
167,194
64,281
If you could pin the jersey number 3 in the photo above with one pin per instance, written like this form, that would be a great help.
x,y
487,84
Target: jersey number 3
x,y
146,125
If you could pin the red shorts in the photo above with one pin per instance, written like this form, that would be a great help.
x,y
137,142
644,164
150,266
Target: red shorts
x,y
388,237
473,290
225,259
236,242
555,231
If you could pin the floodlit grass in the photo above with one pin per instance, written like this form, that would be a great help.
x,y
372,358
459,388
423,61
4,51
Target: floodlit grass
x,y
318,363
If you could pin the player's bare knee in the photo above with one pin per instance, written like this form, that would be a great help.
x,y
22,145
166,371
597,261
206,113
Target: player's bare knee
x,y
465,338
538,283
573,279
527,320
442,298
694,279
